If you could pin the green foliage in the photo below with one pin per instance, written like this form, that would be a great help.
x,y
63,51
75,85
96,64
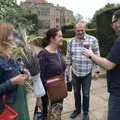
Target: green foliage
x,y
9,11
91,24
65,27
105,32
26,42
32,24
38,41
66,39
102,23
107,7
91,32
68,31
6,6
18,15
22,49
64,47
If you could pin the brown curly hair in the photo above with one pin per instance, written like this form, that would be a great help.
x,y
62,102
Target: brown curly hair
x,y
51,33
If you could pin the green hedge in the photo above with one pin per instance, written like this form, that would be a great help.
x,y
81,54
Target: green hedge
x,y
91,32
105,33
67,27
70,33
39,43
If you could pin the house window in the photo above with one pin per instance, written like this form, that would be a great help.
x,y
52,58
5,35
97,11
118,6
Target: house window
x,y
57,20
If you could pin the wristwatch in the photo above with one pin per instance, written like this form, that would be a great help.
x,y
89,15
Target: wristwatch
x,y
97,72
90,57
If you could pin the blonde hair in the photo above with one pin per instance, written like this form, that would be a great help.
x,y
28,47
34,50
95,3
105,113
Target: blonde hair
x,y
5,44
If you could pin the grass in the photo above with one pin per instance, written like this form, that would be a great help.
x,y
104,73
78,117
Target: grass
x,y
66,39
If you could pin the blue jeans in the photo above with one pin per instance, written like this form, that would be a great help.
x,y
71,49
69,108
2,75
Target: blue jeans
x,y
84,83
114,108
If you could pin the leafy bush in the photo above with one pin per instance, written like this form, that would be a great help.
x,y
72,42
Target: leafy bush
x,y
102,23
68,31
91,32
64,47
66,27
19,16
39,43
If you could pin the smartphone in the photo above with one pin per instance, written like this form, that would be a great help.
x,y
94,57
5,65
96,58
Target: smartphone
x,y
87,46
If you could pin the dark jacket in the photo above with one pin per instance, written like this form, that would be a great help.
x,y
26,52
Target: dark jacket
x,y
8,69
113,76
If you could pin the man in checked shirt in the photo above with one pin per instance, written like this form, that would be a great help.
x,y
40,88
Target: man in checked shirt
x,y
81,68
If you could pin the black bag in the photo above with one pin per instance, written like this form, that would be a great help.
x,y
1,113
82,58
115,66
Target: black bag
x,y
38,115
69,84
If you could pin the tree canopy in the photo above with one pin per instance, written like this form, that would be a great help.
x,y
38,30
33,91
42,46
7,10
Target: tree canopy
x,y
13,13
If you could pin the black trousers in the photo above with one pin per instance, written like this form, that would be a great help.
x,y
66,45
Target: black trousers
x,y
84,83
45,102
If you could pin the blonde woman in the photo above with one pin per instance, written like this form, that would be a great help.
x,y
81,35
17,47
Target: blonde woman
x,y
11,80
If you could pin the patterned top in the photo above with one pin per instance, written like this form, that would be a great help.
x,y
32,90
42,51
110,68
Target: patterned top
x,y
81,65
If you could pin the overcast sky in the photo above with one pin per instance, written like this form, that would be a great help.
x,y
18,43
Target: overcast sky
x,y
86,8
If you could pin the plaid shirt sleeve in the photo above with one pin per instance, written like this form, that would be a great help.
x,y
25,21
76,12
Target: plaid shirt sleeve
x,y
68,56
96,52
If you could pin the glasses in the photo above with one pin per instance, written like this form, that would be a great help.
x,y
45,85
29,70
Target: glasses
x,y
116,20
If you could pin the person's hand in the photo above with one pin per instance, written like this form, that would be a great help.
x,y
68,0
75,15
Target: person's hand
x,y
39,103
66,73
95,76
25,71
87,52
19,79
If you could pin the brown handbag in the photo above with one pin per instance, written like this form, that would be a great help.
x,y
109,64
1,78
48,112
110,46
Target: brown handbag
x,y
56,88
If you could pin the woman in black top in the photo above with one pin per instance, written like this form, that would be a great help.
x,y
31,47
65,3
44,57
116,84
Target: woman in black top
x,y
52,64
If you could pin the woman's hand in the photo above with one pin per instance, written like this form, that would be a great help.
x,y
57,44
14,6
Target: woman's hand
x,y
95,76
19,79
26,71
39,103
87,52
